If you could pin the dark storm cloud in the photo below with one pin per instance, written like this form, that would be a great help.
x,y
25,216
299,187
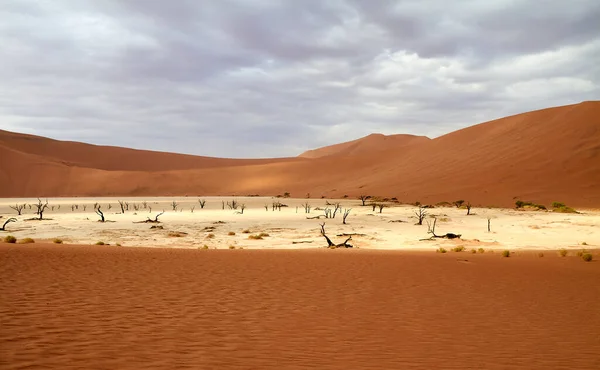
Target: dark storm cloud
x,y
255,78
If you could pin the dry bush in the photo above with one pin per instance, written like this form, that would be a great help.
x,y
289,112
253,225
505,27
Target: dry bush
x,y
246,231
26,241
441,250
210,236
481,250
232,247
231,233
57,241
540,254
258,236
459,248
473,251
587,257
100,243
506,253
10,239
562,252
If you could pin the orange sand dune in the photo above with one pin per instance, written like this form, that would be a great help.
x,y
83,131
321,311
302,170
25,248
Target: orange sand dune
x,y
366,145
111,158
73,307
542,156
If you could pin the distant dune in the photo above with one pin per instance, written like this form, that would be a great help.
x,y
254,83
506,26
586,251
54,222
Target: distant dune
x,y
547,155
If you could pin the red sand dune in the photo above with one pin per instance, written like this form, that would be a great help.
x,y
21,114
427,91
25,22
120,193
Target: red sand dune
x,y
73,307
543,156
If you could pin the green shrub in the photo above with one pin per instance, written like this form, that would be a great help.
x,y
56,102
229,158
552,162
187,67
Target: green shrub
x,y
557,205
99,243
562,252
506,253
521,204
27,241
204,247
118,244
564,209
441,250
587,257
10,239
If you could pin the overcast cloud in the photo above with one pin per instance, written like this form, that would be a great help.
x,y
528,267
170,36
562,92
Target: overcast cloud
x,y
263,78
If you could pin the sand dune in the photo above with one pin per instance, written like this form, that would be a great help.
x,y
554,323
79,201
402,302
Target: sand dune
x,y
108,307
542,156
366,145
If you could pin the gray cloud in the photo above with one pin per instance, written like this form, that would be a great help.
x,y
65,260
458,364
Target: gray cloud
x,y
258,78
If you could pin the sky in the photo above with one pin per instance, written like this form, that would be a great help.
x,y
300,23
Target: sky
x,y
273,78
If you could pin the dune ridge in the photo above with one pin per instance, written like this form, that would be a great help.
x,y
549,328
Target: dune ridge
x,y
546,155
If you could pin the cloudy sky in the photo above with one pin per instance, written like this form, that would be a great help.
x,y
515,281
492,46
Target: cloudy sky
x,y
263,78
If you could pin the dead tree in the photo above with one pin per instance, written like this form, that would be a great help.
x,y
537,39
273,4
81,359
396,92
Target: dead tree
x,y
136,207
306,207
431,230
151,221
41,207
192,208
145,204
19,208
330,244
421,213
338,207
242,208
96,205
374,205
345,215
122,205
73,208
363,199
109,206
489,220
267,207
233,205
84,207
202,203
12,219
222,204
174,205
381,206
468,209
100,213
459,203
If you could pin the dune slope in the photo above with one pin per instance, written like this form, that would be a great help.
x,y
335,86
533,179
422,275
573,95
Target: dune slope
x,y
547,155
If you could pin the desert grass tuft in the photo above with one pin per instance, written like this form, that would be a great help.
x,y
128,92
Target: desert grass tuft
x,y
587,257
99,243
57,241
562,252
506,253
210,236
10,239
481,250
459,248
441,250
26,241
231,233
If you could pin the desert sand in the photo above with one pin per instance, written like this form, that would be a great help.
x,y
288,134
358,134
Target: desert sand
x,y
71,307
291,228
542,156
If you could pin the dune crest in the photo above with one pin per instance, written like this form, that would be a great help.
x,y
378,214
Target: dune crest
x,y
546,155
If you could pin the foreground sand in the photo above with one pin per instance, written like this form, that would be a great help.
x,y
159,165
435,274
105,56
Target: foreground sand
x,y
289,228
130,308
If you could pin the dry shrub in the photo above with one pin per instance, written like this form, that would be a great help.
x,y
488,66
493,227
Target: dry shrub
x,y
10,239
562,252
481,250
231,233
441,250
506,253
587,257
210,236
459,248
246,231
99,243
57,241
26,241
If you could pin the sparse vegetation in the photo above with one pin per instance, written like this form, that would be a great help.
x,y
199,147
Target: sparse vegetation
x,y
232,247
557,205
480,250
286,194
506,253
19,208
41,207
562,252
57,241
562,208
459,203
202,203
441,250
364,198
10,239
26,241
459,248
523,204
258,236
587,257
473,251
584,243
420,213
210,236
100,243
246,231
231,233
540,255
345,215
3,227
